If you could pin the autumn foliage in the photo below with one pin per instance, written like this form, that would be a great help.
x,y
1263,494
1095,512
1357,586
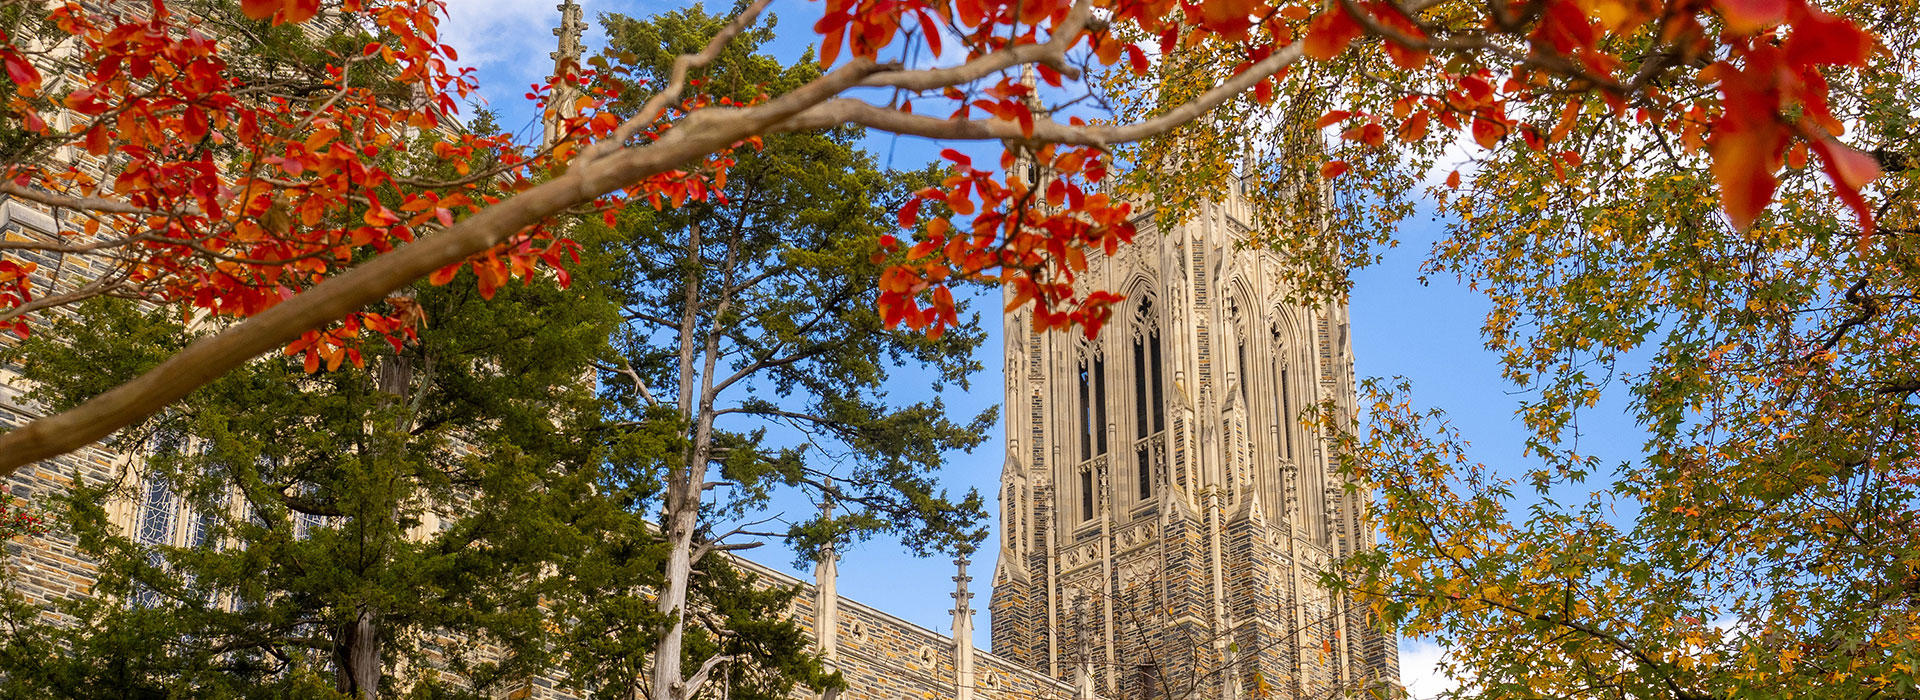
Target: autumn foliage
x,y
232,192
228,196
232,201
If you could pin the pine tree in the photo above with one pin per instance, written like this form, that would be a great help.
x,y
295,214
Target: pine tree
x,y
752,350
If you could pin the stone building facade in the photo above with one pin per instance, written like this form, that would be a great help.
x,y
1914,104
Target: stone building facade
x,y
1165,514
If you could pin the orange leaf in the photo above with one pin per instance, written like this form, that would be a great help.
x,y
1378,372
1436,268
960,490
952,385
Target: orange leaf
x,y
1488,133
444,275
1797,156
260,10
1744,161
1414,128
1453,179
1333,169
1333,117
830,46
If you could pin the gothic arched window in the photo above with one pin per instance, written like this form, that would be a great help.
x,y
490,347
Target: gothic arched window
x,y
1093,404
1283,399
1245,376
1149,399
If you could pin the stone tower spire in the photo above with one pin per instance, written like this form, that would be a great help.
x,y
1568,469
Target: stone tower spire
x,y
566,62
963,677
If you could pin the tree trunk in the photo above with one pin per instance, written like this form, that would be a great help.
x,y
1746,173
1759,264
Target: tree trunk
x,y
681,510
356,648
356,644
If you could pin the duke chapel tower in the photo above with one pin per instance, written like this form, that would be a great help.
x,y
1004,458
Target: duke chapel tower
x,y
1164,515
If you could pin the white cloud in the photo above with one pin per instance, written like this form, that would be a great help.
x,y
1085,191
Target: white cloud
x,y
511,42
1419,672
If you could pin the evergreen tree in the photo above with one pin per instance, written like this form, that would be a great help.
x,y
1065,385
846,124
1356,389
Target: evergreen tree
x,y
330,528
751,353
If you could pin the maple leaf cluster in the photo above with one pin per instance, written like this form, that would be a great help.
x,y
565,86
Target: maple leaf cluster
x,y
1770,101
1474,80
206,190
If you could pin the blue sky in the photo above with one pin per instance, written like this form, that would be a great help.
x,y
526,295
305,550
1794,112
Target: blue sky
x,y
1429,334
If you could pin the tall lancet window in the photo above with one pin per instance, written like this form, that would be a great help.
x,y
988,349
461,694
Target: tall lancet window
x,y
1093,404
1245,375
1283,399
1093,422
1149,400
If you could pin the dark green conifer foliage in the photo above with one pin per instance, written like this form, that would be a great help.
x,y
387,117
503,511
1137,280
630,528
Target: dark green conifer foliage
x,y
315,494
314,562
751,350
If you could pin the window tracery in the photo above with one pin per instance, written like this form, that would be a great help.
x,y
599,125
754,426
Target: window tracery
x,y
1149,394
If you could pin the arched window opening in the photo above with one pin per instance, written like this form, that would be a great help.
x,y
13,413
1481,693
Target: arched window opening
x,y
1093,405
1149,397
1086,415
1283,399
1238,322
1246,375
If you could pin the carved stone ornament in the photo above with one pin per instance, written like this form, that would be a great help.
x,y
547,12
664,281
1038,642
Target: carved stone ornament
x,y
1139,572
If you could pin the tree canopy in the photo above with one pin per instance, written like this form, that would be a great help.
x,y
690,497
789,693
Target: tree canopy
x,y
247,196
1722,187
750,339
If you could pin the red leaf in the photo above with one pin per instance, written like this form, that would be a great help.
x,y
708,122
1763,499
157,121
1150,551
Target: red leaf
x,y
957,157
909,213
1138,59
1330,118
1749,16
1329,34
932,30
1850,170
1744,161
22,73
1821,38
1453,179
193,124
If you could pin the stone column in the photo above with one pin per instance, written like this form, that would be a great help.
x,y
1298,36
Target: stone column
x,y
963,676
826,598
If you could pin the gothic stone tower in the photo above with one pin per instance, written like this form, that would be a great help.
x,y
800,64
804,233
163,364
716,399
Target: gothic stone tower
x,y
1165,515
